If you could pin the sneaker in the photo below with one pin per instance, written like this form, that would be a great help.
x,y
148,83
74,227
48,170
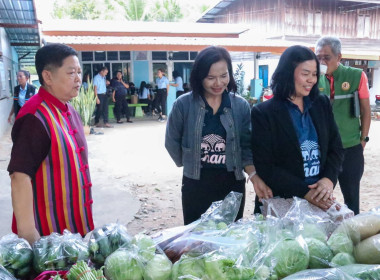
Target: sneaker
x,y
160,119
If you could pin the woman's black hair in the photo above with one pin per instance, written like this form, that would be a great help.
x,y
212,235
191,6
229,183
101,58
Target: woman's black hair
x,y
142,85
282,83
202,65
175,74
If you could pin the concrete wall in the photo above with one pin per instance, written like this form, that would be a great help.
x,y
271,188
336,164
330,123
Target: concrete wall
x,y
8,66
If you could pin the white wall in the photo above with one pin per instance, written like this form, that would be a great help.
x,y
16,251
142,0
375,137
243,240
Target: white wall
x,y
375,90
5,90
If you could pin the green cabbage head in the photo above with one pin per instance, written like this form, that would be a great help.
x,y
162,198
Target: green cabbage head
x,y
289,256
341,259
123,264
158,268
320,253
340,243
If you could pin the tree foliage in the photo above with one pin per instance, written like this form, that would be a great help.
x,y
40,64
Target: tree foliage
x,y
76,9
135,10
166,10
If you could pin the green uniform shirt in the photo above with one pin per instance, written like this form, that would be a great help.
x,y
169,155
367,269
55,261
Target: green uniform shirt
x,y
346,81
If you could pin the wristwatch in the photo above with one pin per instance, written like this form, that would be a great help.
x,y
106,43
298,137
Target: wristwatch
x,y
364,138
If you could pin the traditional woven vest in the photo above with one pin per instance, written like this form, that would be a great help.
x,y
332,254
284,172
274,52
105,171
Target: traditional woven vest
x,y
61,186
346,81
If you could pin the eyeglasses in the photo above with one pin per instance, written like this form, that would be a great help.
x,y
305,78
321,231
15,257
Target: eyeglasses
x,y
324,57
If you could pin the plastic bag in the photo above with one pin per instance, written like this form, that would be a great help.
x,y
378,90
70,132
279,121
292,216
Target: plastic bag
x,y
5,274
321,274
16,255
106,240
59,252
219,215
362,271
140,260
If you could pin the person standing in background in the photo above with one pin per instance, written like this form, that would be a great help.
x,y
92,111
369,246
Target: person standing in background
x,y
100,89
162,94
145,96
119,95
347,88
21,93
178,83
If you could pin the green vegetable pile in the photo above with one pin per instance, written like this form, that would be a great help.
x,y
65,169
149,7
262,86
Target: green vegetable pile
x,y
140,260
106,240
16,255
58,252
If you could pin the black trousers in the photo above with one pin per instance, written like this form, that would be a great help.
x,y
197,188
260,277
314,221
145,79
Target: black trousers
x,y
121,107
161,97
146,101
349,178
214,185
102,108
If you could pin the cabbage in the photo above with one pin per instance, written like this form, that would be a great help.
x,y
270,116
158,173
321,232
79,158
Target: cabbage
x,y
250,245
188,266
320,253
222,268
340,243
341,259
313,231
158,268
123,264
146,245
289,256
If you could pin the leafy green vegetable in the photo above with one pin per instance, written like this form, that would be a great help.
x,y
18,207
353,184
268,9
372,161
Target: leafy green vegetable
x,y
123,264
340,243
320,254
16,255
289,256
81,271
146,246
220,267
313,231
188,266
341,259
158,268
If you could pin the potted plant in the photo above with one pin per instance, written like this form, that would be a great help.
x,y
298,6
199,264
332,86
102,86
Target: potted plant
x,y
85,104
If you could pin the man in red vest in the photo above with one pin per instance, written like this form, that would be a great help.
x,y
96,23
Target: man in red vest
x,y
50,179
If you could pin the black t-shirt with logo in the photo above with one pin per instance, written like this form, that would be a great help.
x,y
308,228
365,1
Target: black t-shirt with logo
x,y
213,145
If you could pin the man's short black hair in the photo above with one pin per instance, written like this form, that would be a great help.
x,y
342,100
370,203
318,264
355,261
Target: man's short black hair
x,y
26,73
51,57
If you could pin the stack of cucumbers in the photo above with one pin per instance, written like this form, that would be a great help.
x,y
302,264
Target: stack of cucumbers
x,y
106,240
59,252
16,255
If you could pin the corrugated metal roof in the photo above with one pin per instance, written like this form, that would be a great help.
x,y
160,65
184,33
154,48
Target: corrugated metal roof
x,y
18,17
121,26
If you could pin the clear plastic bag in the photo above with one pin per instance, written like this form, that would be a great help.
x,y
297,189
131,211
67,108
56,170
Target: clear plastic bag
x,y
16,255
5,274
321,274
142,259
219,215
362,271
59,252
106,240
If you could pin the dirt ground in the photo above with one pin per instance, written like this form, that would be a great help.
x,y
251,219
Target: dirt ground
x,y
131,161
